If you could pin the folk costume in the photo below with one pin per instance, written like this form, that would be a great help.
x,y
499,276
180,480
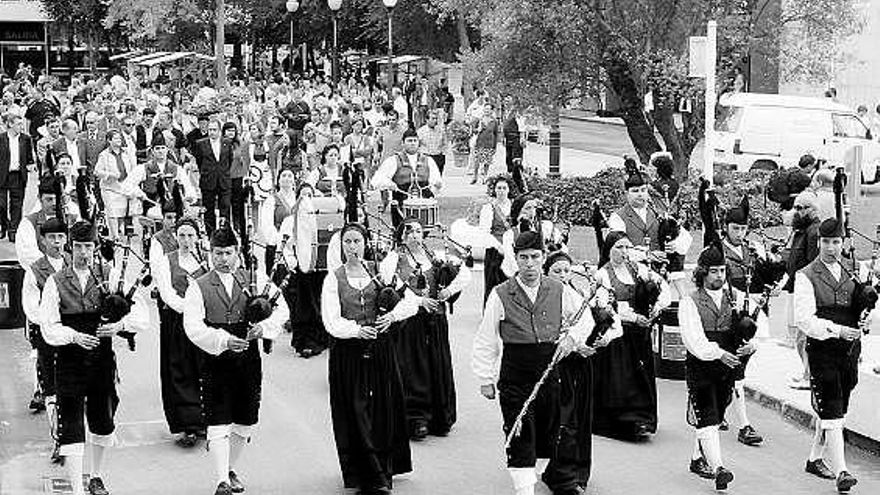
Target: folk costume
x,y
526,322
495,221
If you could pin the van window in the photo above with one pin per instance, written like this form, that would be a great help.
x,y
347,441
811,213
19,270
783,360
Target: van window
x,y
728,118
849,126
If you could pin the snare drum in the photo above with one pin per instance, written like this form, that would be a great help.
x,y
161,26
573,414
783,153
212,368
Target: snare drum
x,y
424,209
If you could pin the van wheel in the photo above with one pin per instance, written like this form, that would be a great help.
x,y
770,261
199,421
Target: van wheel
x,y
765,165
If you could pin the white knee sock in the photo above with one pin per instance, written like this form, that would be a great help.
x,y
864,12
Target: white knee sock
x,y
97,459
74,464
739,404
834,440
220,455
524,480
711,443
51,416
818,446
697,452
236,447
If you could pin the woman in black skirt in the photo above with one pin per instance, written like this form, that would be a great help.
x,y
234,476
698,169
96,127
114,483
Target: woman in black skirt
x,y
422,342
303,296
625,398
366,393
494,221
180,360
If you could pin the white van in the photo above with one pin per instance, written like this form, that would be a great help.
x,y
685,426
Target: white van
x,y
772,131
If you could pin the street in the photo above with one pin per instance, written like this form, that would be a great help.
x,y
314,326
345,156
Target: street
x,y
293,449
595,137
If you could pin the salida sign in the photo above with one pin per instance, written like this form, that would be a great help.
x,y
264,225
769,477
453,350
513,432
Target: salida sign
x,y
22,32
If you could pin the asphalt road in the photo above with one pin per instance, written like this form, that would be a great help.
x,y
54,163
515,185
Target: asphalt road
x,y
293,450
595,137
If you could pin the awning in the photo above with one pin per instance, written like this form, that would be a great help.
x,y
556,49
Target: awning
x,y
403,59
171,57
23,11
126,55
147,56
201,56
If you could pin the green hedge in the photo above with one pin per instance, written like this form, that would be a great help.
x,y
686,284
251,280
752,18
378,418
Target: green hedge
x,y
574,195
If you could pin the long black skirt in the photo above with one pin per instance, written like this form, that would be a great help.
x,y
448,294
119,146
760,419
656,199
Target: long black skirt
x,y
180,370
625,389
303,297
367,407
575,447
421,344
492,272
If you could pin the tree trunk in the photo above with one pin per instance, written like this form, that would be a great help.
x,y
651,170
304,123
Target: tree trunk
x,y
219,41
663,119
90,41
631,107
274,57
555,148
464,42
71,63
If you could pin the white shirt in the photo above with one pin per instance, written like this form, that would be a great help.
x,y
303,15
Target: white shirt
x,y
487,341
805,307
388,267
487,216
14,158
215,340
664,300
30,292
680,244
215,147
692,333
331,309
383,178
508,264
73,151
57,334
161,269
26,248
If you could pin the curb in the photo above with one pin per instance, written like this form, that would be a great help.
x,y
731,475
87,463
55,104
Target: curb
x,y
805,419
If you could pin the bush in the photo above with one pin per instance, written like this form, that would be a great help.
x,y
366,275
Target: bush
x,y
574,196
460,136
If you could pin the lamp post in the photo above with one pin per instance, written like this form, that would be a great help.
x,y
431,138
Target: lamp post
x,y
335,5
389,4
292,7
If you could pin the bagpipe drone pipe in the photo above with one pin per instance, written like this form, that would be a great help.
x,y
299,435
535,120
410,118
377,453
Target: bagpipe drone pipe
x,y
603,314
447,269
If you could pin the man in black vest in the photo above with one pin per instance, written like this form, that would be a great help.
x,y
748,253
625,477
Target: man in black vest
x,y
53,233
823,291
706,318
531,317
214,319
85,366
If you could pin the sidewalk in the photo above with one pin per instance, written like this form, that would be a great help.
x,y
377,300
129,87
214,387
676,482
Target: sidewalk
x,y
587,116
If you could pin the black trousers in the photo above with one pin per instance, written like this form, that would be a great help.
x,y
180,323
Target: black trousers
x,y
515,152
237,198
11,199
213,198
97,406
440,160
45,361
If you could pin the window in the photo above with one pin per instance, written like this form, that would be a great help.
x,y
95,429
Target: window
x,y
849,126
728,118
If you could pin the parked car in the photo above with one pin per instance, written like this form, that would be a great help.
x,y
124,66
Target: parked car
x,y
773,131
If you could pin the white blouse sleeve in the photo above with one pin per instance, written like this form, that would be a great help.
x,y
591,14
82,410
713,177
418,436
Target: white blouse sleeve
x,y
508,264
331,311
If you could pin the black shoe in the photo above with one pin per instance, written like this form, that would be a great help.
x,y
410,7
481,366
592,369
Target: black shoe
x,y
748,436
56,457
845,481
420,431
723,478
820,469
235,484
12,237
38,402
187,440
701,468
641,432
96,487
223,489
724,426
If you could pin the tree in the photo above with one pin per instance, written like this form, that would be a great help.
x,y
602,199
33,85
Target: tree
x,y
631,47
83,18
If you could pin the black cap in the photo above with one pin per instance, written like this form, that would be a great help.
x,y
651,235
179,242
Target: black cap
x,y
53,226
149,111
528,240
159,139
830,227
82,232
740,214
187,221
410,132
224,237
711,256
610,240
554,257
47,185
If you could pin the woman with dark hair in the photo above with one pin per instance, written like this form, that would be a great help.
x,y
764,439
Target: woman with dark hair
x,y
625,400
274,210
329,169
237,172
495,221
366,393
422,342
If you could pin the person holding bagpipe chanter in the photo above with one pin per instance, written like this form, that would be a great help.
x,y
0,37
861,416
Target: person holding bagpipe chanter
x,y
80,316
495,222
574,446
717,328
535,321
225,316
53,238
526,214
180,361
366,393
833,308
422,341
625,401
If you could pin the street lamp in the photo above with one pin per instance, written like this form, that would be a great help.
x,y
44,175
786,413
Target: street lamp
x,y
335,5
292,7
389,4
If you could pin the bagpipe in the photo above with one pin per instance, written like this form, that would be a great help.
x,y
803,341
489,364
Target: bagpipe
x,y
447,269
646,293
668,229
864,296
599,222
116,304
603,314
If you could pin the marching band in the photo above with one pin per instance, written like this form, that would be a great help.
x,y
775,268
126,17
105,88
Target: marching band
x,y
566,348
